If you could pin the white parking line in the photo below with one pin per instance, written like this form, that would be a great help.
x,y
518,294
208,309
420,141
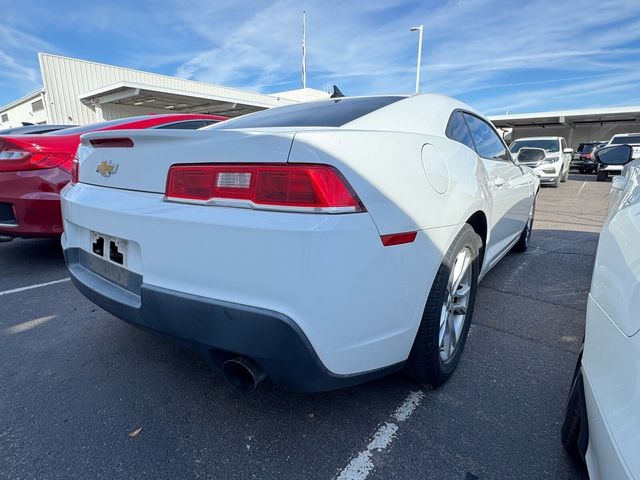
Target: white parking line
x,y
361,465
581,188
23,327
30,287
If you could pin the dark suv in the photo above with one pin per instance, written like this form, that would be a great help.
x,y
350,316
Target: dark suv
x,y
583,158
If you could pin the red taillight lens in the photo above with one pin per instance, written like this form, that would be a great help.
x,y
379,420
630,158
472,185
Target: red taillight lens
x,y
308,188
14,158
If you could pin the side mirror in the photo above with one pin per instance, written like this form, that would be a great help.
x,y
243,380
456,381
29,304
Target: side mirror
x,y
615,155
567,150
531,155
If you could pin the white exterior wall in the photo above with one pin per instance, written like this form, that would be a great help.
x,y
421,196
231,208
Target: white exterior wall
x,y
65,79
22,111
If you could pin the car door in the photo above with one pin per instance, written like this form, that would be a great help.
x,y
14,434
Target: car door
x,y
510,188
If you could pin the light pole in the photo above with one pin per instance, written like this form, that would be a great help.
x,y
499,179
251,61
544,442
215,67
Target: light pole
x,y
418,29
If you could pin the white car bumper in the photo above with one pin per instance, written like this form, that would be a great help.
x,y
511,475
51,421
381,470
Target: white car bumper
x,y
354,304
611,169
548,173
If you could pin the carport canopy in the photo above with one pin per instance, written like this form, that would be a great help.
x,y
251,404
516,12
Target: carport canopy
x,y
160,98
568,117
575,126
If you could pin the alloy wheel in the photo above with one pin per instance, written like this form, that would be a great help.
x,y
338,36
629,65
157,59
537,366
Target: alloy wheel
x,y
454,308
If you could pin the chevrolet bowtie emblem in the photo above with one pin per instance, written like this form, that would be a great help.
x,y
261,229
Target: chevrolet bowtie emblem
x,y
106,169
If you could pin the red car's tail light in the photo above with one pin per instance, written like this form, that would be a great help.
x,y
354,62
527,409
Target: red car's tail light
x,y
14,158
303,188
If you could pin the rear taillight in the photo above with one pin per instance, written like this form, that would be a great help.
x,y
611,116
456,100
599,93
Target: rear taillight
x,y
14,158
301,188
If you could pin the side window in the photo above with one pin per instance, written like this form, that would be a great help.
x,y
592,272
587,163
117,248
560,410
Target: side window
x,y
458,131
210,122
188,125
487,141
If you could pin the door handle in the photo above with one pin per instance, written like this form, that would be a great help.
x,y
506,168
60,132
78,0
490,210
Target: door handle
x,y
498,181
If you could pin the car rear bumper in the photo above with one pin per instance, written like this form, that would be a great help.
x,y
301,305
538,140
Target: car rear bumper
x,y
583,163
33,198
218,330
357,302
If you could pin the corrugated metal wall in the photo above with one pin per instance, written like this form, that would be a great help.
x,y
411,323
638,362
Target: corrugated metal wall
x,y
65,79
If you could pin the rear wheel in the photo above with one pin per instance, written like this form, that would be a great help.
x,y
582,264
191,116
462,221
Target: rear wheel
x,y
446,319
523,241
602,176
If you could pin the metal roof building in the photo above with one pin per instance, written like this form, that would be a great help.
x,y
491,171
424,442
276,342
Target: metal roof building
x,y
81,92
576,126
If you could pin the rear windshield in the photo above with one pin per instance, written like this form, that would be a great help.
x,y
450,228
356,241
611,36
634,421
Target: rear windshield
x,y
586,147
549,146
625,139
326,113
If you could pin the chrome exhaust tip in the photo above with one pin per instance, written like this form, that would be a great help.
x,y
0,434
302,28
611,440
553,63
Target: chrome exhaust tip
x,y
243,373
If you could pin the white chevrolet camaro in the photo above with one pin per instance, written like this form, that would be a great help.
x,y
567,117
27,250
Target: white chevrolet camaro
x,y
602,420
319,244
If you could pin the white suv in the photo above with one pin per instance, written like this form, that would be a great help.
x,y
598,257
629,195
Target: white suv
x,y
554,168
632,139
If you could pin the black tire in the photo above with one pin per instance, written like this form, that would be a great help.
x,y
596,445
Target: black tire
x,y
523,242
575,430
425,364
602,176
563,178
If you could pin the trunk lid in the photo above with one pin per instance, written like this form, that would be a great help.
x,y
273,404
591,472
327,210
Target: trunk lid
x,y
144,167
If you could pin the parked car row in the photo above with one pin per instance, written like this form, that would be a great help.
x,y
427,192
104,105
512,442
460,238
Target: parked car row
x,y
553,168
35,167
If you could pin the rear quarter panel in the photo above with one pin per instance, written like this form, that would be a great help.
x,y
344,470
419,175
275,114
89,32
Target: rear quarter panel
x,y
403,185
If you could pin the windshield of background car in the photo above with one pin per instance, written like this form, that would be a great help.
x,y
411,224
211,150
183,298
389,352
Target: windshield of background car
x,y
626,139
326,113
549,146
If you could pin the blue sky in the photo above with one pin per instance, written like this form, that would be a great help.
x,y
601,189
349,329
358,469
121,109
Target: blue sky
x,y
499,56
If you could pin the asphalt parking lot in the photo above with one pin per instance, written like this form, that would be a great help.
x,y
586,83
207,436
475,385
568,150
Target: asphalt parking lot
x,y
75,382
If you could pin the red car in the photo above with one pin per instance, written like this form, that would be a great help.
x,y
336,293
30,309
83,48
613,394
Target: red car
x,y
34,168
